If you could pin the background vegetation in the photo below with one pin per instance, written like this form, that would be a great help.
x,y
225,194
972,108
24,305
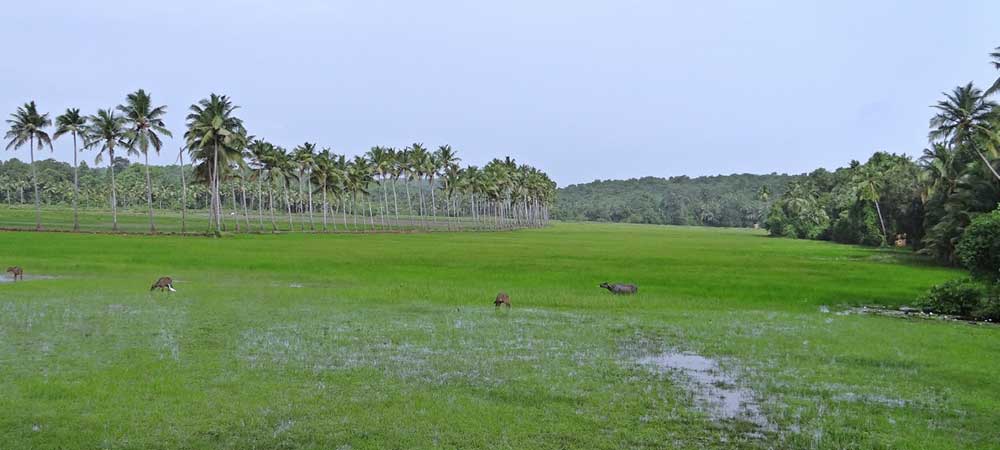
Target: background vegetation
x,y
718,201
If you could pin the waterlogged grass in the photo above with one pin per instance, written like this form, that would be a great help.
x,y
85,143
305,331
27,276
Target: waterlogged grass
x,y
391,341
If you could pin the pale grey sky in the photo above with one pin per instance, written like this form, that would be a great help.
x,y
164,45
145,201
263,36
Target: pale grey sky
x,y
581,89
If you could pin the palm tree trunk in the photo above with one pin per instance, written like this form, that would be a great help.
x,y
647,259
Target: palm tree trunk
x,y
236,210
312,225
270,203
409,202
433,202
343,210
420,190
288,205
76,187
881,221
215,188
149,193
243,200
354,210
385,200
370,214
183,195
324,209
395,202
114,195
34,180
986,162
260,200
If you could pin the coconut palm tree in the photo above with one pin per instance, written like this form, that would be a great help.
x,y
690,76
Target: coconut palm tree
x,y
966,119
995,56
445,160
419,162
339,184
213,132
395,171
258,153
71,122
27,126
322,174
305,159
282,169
105,132
382,162
144,127
406,169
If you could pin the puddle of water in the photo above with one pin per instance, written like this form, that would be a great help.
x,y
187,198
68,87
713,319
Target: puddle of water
x,y
716,392
9,279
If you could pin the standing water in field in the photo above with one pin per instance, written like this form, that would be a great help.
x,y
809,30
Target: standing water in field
x,y
715,392
27,277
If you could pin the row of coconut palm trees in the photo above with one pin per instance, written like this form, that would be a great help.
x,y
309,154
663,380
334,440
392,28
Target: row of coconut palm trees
x,y
377,185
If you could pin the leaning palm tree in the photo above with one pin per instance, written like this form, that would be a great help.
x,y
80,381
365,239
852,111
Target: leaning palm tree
x,y
71,122
105,132
145,126
27,125
966,119
868,183
213,134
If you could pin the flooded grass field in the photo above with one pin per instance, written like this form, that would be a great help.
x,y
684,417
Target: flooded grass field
x,y
392,341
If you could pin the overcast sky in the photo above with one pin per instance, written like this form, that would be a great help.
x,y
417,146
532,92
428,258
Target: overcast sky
x,y
581,89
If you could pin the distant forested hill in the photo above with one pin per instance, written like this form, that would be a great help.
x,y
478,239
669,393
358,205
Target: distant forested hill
x,y
721,201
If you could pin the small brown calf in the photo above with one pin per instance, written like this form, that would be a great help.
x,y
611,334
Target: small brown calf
x,y
502,299
164,283
17,272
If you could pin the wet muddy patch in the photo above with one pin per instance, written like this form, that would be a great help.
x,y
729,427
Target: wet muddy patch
x,y
716,392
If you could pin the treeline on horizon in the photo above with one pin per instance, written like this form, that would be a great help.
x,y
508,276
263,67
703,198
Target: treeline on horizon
x,y
739,200
253,174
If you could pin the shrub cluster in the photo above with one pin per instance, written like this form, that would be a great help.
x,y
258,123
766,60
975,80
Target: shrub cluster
x,y
964,297
979,247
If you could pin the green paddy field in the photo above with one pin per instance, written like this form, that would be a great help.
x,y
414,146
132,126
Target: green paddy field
x,y
322,341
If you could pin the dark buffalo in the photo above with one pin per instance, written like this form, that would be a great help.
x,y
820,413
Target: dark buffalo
x,y
621,289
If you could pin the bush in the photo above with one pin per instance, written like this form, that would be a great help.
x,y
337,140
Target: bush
x,y
979,247
989,308
961,297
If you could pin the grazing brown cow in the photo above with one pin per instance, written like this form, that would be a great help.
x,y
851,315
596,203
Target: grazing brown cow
x,y
620,289
164,283
17,272
502,299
